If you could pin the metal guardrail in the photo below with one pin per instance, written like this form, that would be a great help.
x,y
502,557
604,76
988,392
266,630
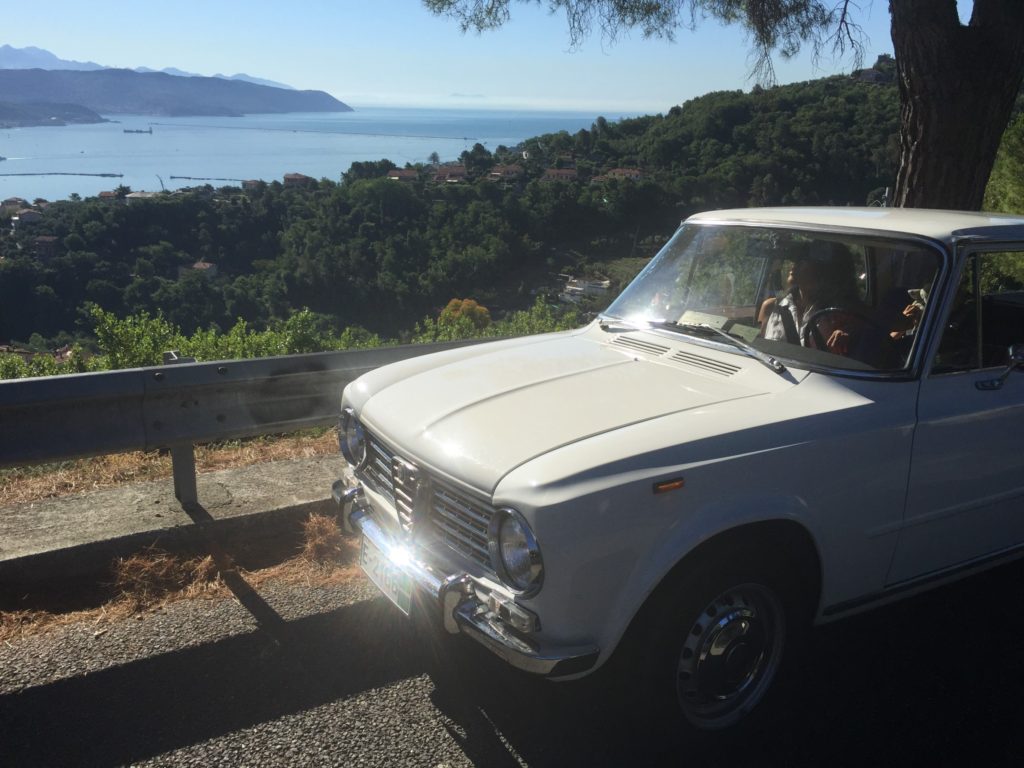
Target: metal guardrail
x,y
177,405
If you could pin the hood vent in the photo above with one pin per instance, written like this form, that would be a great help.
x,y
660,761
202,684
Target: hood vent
x,y
639,345
705,363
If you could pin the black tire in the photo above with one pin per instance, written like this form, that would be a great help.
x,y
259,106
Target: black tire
x,y
707,649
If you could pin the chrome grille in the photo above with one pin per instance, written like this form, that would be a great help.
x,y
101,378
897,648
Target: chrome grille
x,y
378,466
461,523
404,483
380,472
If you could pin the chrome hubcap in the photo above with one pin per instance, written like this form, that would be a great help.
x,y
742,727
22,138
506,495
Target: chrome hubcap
x,y
730,655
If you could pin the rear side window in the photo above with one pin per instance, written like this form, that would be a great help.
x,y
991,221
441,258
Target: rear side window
x,y
987,316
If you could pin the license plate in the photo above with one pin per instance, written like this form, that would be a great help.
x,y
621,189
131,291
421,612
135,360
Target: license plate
x,y
391,580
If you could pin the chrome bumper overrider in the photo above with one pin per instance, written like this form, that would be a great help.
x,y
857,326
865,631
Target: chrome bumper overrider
x,y
467,604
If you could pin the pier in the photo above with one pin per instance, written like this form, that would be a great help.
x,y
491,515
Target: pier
x,y
63,173
201,178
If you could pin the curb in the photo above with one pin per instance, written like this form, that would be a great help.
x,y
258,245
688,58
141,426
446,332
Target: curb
x,y
254,515
255,532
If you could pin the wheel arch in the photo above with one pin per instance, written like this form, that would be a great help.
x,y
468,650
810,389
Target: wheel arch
x,y
784,542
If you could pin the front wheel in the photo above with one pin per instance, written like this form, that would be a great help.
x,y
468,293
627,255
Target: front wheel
x,y
711,641
729,655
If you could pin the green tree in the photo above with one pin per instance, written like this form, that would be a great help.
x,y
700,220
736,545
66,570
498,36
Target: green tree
x,y
370,169
957,82
135,341
539,318
1005,190
478,160
458,309
191,302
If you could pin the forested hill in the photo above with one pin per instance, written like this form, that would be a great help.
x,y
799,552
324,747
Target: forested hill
x,y
121,91
17,115
829,141
383,254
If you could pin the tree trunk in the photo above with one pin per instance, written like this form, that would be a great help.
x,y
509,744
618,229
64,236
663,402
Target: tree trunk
x,y
957,87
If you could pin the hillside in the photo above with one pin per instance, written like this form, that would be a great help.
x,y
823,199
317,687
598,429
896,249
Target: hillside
x,y
22,115
121,91
309,262
382,254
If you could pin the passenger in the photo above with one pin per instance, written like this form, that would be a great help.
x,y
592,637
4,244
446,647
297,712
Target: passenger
x,y
911,315
780,316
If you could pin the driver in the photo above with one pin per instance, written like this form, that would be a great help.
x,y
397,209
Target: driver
x,y
821,278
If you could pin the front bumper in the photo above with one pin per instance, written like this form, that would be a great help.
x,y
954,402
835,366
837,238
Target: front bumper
x,y
468,605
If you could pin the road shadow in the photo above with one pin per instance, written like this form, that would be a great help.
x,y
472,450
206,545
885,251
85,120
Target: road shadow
x,y
933,680
929,681
131,712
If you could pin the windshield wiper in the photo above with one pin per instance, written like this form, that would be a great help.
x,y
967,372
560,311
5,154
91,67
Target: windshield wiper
x,y
703,329
607,322
697,329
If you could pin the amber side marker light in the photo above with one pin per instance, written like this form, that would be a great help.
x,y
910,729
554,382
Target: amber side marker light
x,y
669,485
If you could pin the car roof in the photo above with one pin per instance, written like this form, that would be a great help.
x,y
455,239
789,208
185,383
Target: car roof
x,y
946,226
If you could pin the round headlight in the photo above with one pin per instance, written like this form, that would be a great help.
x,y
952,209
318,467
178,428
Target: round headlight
x,y
516,552
351,438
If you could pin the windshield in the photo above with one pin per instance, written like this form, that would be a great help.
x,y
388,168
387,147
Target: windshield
x,y
829,299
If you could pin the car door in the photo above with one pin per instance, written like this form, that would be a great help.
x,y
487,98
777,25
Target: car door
x,y
965,498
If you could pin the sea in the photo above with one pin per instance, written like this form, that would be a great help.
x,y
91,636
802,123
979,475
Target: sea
x,y
148,153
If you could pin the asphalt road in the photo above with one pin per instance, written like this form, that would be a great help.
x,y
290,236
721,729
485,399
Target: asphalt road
x,y
931,681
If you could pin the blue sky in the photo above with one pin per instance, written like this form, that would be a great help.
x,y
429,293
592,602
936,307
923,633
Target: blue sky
x,y
394,53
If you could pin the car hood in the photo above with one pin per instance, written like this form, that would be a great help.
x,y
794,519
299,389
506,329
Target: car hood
x,y
480,416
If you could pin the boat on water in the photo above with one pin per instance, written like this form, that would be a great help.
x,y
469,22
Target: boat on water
x,y
139,130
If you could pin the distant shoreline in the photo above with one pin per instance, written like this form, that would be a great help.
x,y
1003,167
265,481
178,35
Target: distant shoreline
x,y
6,125
318,145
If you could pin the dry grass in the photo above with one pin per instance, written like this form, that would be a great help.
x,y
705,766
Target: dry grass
x,y
152,576
152,579
27,484
323,540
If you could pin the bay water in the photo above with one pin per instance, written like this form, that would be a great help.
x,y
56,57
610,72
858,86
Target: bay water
x,y
52,162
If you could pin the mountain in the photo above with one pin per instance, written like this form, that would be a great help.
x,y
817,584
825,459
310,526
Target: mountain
x,y
122,91
166,70
39,58
240,76
256,80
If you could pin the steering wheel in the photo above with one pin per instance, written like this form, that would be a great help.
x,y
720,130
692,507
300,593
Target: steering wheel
x,y
863,327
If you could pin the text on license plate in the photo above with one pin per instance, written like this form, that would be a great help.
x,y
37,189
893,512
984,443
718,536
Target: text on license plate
x,y
392,581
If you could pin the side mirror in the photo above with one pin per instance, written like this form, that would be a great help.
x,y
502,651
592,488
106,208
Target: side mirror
x,y
1016,360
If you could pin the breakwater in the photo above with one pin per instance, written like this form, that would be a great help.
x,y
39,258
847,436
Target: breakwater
x,y
66,173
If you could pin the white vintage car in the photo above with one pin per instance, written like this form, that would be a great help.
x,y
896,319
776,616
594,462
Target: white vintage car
x,y
790,415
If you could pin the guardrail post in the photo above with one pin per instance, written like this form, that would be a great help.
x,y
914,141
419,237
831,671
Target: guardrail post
x,y
183,464
183,455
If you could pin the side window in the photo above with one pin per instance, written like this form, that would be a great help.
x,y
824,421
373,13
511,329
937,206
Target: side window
x,y
987,316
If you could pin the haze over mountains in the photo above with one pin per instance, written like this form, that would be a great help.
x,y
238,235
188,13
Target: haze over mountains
x,y
35,77
39,58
